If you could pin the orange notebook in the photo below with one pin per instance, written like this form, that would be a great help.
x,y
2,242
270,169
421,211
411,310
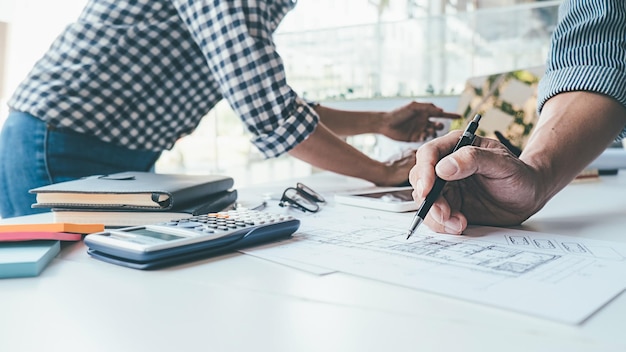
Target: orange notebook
x,y
52,227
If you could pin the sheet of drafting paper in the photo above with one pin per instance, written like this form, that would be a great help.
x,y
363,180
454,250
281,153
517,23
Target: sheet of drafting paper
x,y
528,272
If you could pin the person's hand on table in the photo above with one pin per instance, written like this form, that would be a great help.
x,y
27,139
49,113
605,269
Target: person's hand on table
x,y
398,167
487,184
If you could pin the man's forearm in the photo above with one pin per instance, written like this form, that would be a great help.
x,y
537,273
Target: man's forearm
x,y
349,123
325,150
573,130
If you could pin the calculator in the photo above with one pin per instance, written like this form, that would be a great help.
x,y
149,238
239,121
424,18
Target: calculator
x,y
182,240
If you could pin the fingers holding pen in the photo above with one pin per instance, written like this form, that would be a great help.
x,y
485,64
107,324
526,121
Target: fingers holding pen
x,y
433,160
422,175
478,188
443,219
458,166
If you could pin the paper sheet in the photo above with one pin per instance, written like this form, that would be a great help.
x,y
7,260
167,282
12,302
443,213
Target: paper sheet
x,y
557,277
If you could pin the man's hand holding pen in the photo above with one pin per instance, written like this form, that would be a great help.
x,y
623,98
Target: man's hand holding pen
x,y
465,139
483,184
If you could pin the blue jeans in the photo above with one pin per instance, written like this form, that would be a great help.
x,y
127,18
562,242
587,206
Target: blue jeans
x,y
33,154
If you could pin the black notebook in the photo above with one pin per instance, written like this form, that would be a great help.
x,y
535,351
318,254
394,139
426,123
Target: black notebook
x,y
135,217
131,191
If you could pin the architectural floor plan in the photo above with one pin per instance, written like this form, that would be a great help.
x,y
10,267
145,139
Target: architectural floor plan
x,y
529,272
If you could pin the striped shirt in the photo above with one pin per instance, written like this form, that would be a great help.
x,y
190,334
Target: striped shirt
x,y
142,73
588,51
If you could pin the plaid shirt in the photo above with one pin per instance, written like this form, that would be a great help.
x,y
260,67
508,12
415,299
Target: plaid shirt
x,y
142,73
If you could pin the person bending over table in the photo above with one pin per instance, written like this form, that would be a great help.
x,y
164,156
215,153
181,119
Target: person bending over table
x,y
582,104
129,78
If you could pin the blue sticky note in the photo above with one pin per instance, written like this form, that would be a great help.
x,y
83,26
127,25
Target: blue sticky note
x,y
25,259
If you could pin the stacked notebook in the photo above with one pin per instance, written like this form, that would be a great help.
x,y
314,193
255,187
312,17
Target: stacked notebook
x,y
26,259
26,249
135,198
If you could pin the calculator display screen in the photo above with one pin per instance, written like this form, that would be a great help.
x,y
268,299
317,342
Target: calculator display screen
x,y
153,234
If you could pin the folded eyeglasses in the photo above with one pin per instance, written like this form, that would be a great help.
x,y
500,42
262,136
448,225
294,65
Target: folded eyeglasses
x,y
301,197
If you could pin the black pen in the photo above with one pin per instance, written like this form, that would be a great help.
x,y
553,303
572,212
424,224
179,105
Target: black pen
x,y
507,143
467,138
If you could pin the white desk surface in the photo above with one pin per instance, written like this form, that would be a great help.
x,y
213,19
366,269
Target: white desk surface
x,y
238,302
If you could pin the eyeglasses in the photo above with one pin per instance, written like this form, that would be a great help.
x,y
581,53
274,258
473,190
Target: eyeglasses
x,y
301,197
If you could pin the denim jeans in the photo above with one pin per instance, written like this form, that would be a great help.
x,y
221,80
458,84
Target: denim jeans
x,y
33,154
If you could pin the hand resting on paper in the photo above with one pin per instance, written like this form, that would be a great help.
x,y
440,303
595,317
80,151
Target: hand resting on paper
x,y
487,184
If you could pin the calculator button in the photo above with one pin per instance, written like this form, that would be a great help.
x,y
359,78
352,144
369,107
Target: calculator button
x,y
227,222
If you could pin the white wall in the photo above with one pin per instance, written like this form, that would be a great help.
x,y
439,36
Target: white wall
x,y
3,50
6,10
33,25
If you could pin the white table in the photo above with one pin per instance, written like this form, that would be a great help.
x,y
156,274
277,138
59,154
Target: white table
x,y
241,303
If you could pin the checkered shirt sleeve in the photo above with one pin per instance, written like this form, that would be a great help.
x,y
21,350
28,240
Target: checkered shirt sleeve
x,y
142,73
